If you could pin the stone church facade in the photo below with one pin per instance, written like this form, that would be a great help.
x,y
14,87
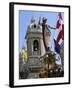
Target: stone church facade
x,y
35,46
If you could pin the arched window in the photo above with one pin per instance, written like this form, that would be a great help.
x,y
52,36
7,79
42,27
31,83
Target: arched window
x,y
35,45
34,25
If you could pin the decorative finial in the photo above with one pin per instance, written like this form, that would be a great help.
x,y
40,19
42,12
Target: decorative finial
x,y
33,19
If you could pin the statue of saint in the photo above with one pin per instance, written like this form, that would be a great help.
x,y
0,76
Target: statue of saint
x,y
46,33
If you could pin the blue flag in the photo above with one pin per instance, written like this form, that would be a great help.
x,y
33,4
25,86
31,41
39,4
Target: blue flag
x,y
57,48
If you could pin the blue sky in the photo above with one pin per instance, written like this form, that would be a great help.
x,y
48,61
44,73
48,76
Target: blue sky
x,y
24,21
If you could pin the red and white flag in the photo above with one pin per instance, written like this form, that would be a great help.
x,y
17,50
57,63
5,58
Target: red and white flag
x,y
59,22
60,27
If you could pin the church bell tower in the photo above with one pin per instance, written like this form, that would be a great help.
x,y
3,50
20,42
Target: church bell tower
x,y
35,46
